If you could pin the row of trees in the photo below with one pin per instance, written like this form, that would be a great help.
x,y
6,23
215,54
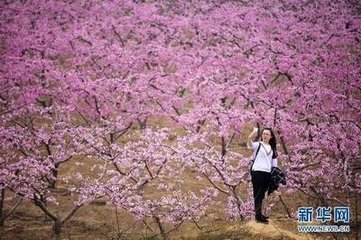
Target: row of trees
x,y
84,79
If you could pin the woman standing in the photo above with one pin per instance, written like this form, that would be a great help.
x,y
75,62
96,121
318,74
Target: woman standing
x,y
264,158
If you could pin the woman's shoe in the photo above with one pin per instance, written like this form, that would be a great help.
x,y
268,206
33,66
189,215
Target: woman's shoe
x,y
262,220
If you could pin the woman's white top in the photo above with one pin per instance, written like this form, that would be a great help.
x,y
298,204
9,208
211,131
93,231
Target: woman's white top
x,y
264,161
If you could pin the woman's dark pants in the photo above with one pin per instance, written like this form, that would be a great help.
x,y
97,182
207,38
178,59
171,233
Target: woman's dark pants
x,y
260,182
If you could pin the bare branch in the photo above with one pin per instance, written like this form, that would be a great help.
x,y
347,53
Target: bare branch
x,y
71,213
42,206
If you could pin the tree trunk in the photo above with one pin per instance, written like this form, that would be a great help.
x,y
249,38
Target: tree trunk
x,y
57,220
286,208
58,224
54,173
2,197
162,231
238,201
224,150
3,214
142,123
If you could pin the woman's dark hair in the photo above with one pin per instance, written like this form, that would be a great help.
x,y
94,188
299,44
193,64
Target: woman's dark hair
x,y
272,141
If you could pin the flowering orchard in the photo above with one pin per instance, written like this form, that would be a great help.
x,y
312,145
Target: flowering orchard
x,y
85,79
